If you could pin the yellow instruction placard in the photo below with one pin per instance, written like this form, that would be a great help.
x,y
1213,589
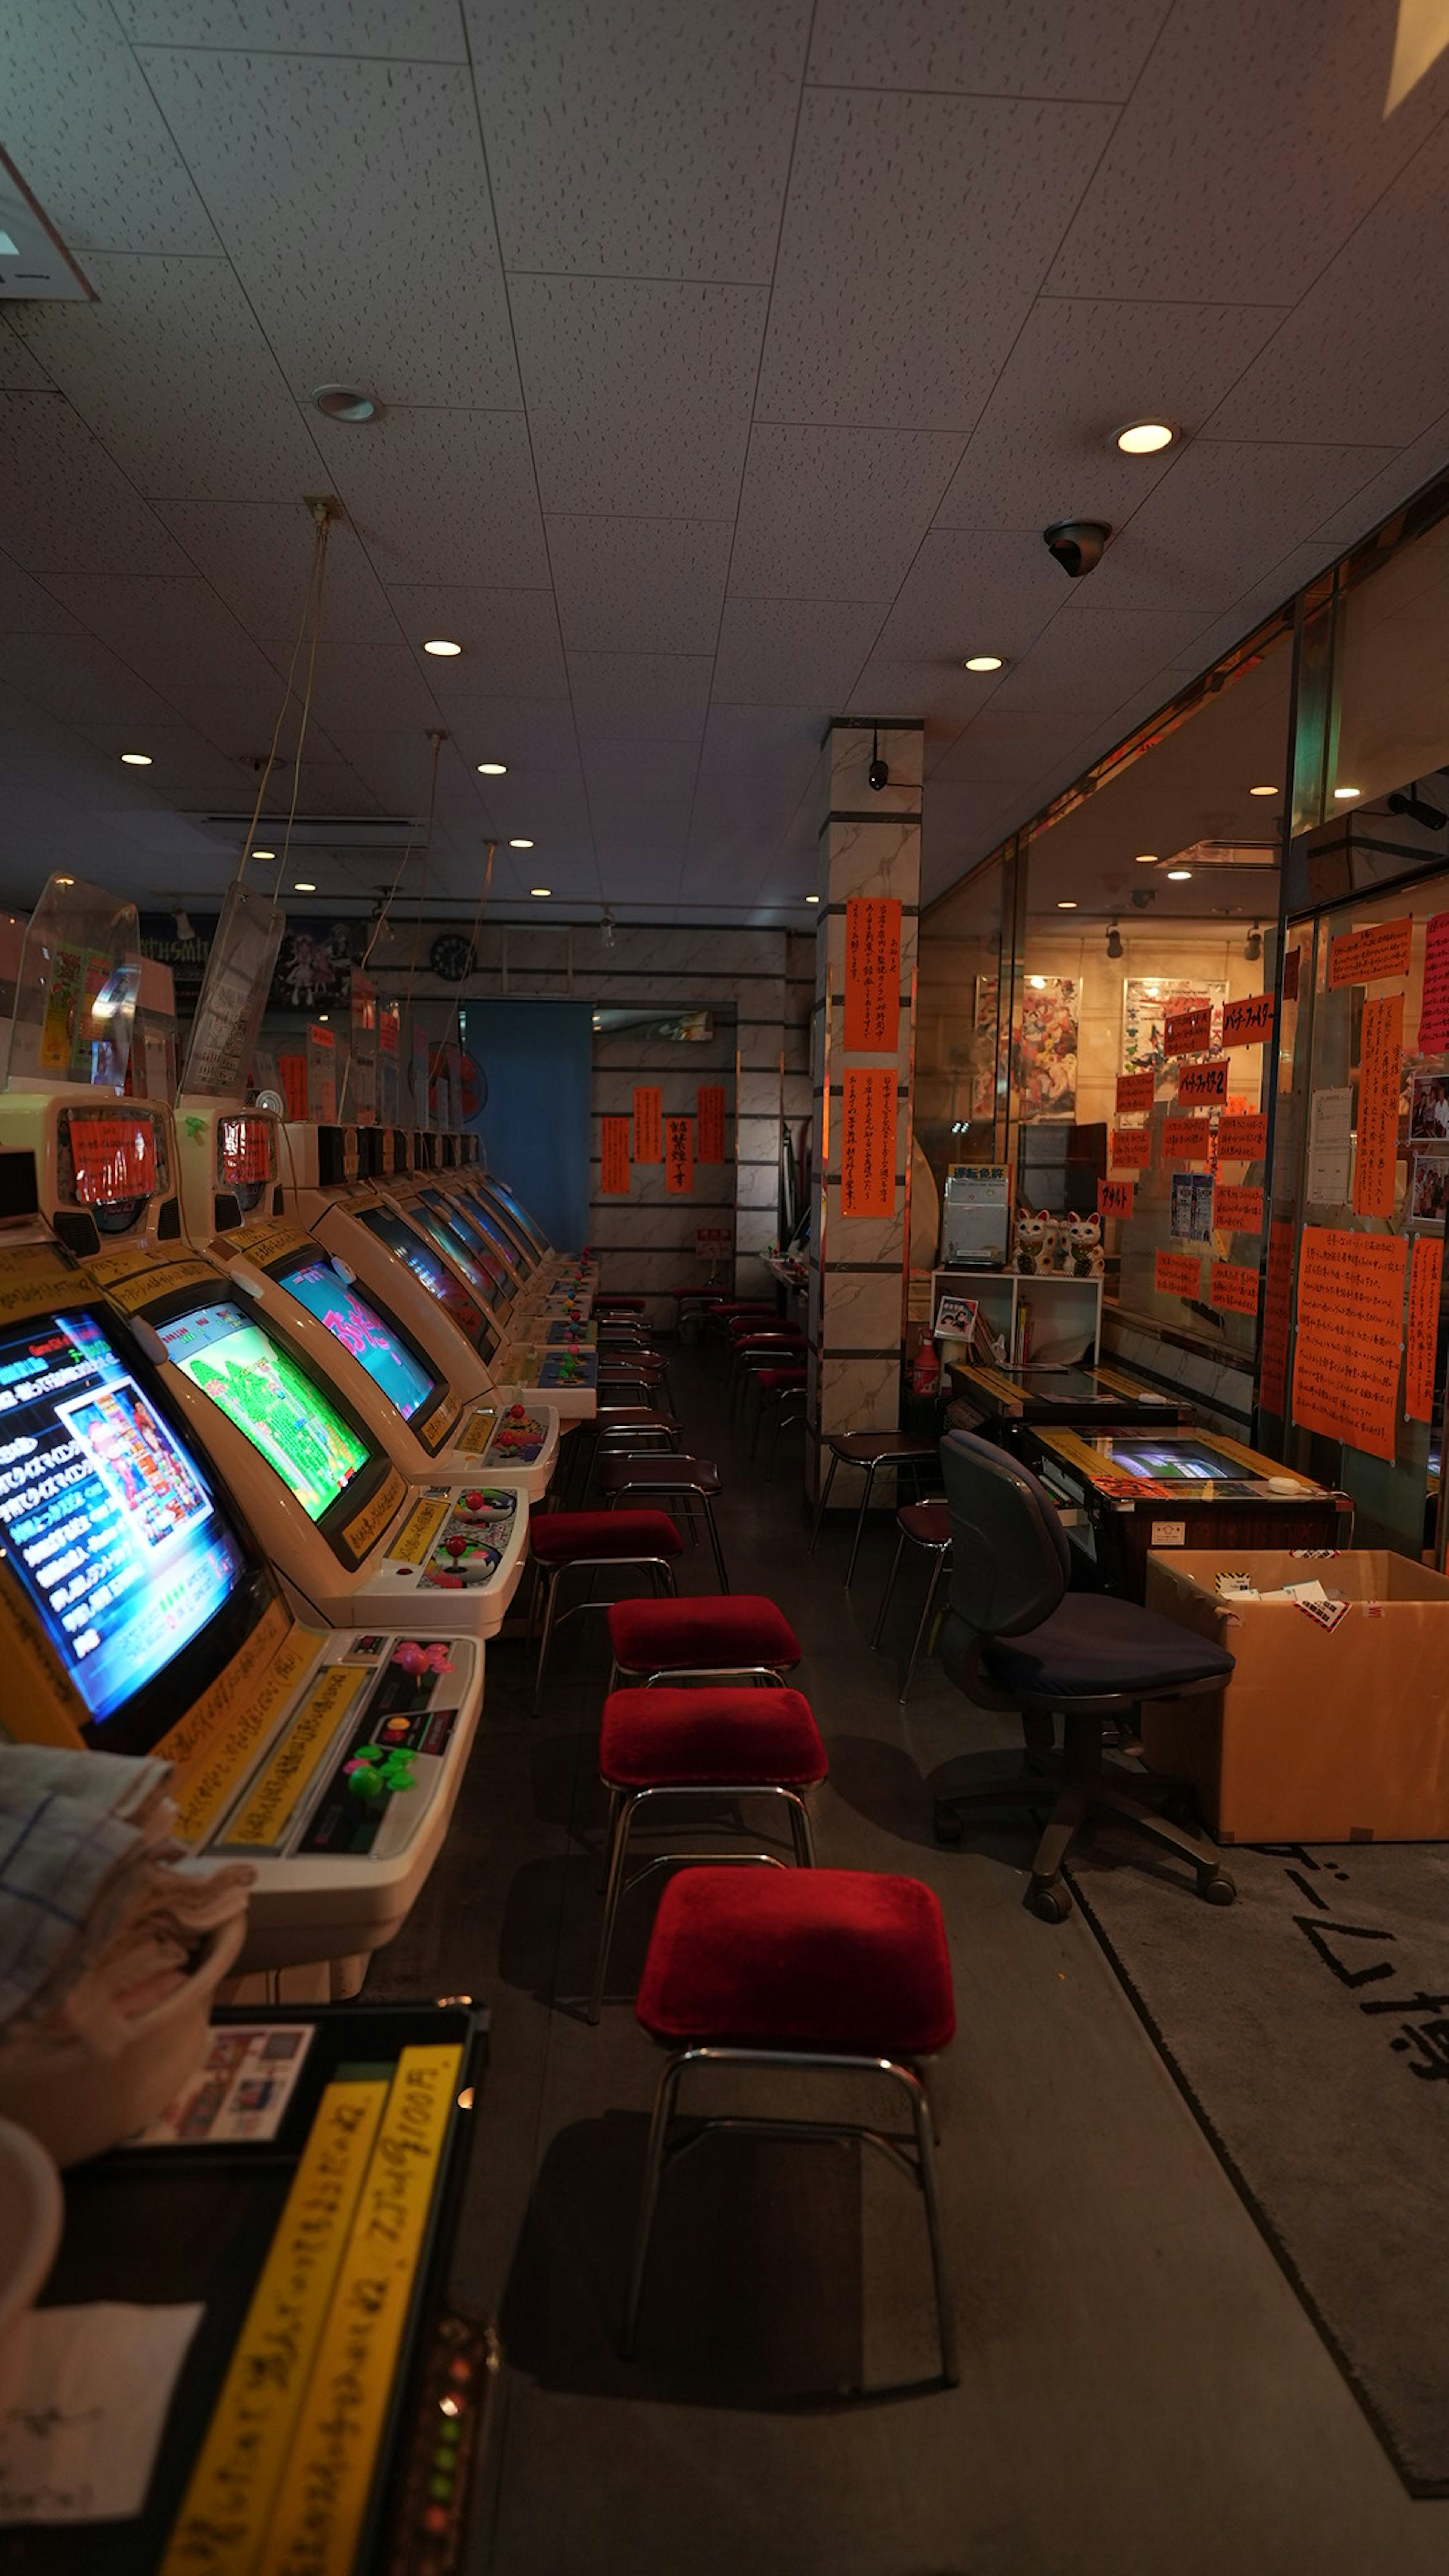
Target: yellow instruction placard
x,y
419,1530
223,2519
215,1744
270,1242
273,1798
34,1278
373,1518
334,2457
479,1431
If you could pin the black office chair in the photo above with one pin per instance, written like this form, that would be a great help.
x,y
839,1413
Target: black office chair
x,y
1014,1637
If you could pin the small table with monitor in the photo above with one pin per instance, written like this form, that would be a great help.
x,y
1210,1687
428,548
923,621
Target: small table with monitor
x,y
1126,1492
999,1401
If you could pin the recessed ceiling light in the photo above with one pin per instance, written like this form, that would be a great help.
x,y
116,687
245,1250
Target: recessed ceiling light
x,y
1037,983
346,402
1147,858
1066,903
65,881
543,892
440,645
1145,437
1262,791
983,662
137,759
1344,793
1179,876
812,898
493,769
264,854
520,845
304,885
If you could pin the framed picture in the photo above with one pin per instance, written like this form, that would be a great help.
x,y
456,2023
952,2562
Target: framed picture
x,y
1429,1107
1046,1053
1146,1001
1429,1189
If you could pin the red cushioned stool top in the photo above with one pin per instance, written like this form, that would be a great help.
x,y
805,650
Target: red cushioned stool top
x,y
703,1632
556,1537
828,1959
929,1524
782,1376
721,1734
617,1305
659,1467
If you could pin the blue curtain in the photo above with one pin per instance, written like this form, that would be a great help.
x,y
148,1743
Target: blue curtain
x,y
535,1124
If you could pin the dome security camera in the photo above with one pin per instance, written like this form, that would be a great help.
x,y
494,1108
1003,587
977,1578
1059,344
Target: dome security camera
x,y
878,774
1077,545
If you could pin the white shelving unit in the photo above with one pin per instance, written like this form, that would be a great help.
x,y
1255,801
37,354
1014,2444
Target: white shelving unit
x,y
1060,1317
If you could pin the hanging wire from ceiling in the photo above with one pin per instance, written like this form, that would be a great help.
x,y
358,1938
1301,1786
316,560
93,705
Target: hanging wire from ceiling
x,y
437,740
323,515
311,616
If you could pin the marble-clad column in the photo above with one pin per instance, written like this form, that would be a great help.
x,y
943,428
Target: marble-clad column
x,y
870,845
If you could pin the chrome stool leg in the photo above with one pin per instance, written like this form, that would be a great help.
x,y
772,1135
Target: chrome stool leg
x,y
885,1598
941,1558
822,1499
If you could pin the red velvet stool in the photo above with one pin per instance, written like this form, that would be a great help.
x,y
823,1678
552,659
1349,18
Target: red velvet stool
x,y
732,1636
608,1302
563,1543
837,1971
926,1526
660,1747
675,1483
782,1377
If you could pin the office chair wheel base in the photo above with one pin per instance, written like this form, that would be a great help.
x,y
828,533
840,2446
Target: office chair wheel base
x,y
1217,1888
948,1827
1048,1900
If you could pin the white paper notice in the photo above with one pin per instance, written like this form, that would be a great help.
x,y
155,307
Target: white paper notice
x,y
1330,1148
83,2400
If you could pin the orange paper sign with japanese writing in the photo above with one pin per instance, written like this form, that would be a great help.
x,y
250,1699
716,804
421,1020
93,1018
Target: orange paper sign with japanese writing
x,y
872,974
649,1125
868,1142
1131,1148
1233,1287
1186,1140
1249,1021
1114,1198
1179,1274
1380,1065
711,1122
1189,1032
1425,1275
614,1158
1434,1001
1363,956
1277,1308
1350,1335
1134,1093
112,1158
1199,1083
679,1156
1243,1136
1239,1210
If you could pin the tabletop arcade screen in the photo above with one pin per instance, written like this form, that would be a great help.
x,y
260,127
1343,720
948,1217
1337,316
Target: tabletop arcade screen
x,y
509,1203
466,1235
393,1363
434,1275
260,1387
109,1521
450,1239
508,1235
1186,1462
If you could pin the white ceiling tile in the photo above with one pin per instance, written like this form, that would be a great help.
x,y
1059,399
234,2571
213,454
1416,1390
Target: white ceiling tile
x,y
257,555
363,222
87,137
361,686
707,99
172,372
960,825
509,639
1352,362
1258,602
938,694
64,505
441,496
77,679
916,236
1089,659
1415,466
784,742
836,513
27,609
1007,48
1004,747
791,652
425,30
171,629
545,806
20,368
1044,448
641,801
1227,509
526,734
638,393
634,695
660,582
970,591
1254,142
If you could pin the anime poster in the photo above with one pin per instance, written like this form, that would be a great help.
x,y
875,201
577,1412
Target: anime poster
x,y
1146,1001
313,971
1046,1053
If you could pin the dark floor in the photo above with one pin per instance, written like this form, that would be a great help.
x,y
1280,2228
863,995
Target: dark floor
x,y
1140,2387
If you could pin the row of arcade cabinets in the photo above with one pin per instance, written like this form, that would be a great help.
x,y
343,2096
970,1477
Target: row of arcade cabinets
x,y
274,1402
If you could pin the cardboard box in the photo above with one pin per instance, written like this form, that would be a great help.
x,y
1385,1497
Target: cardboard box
x,y
1334,1736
